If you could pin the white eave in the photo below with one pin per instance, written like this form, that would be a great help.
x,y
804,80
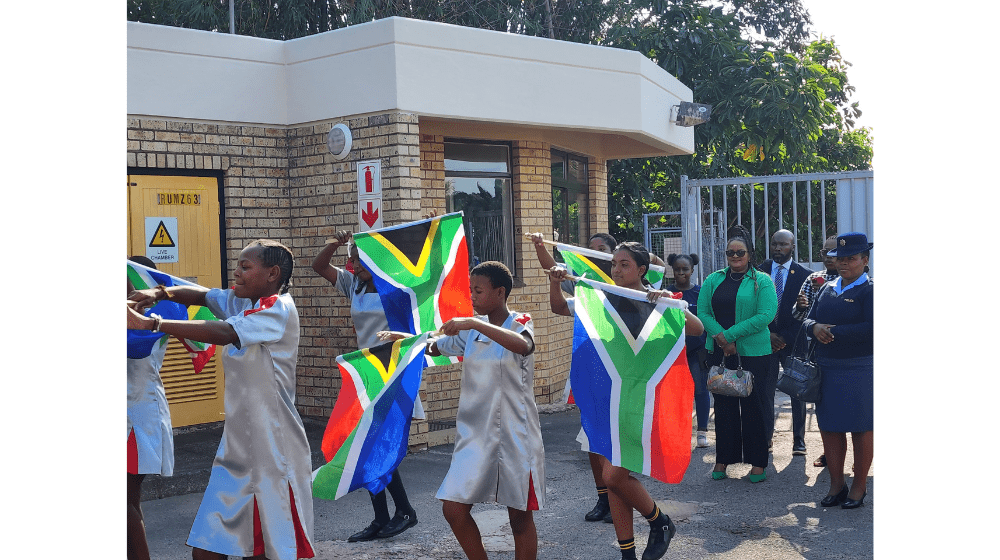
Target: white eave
x,y
615,103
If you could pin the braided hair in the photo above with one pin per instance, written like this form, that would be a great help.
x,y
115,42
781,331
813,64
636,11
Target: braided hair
x,y
674,257
273,253
740,233
639,254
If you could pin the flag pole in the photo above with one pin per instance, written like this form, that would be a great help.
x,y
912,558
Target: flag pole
x,y
546,241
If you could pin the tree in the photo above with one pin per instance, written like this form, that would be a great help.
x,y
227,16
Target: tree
x,y
778,107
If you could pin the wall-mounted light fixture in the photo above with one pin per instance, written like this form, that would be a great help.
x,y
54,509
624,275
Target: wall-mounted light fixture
x,y
338,141
690,114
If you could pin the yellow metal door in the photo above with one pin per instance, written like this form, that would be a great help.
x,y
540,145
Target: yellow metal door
x,y
194,202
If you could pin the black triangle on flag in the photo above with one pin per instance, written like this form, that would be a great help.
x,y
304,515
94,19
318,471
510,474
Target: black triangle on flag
x,y
383,353
634,313
409,240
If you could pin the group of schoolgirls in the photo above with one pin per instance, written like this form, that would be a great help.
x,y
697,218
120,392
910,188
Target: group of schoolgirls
x,y
258,503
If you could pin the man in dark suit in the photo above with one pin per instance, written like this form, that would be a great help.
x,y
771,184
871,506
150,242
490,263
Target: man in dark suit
x,y
788,277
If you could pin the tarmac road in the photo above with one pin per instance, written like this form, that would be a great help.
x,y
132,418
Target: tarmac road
x,y
778,519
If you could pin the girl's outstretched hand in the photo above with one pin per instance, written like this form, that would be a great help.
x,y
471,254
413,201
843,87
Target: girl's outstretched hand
x,y
653,295
144,299
136,321
342,237
456,325
385,336
557,274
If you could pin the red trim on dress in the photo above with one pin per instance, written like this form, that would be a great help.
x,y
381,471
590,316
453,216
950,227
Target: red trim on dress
x,y
265,303
133,453
532,500
258,533
302,546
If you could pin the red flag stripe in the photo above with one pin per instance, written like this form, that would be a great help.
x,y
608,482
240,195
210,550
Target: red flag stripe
x,y
346,413
670,440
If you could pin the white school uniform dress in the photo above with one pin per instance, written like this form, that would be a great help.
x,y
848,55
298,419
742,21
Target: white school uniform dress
x,y
498,444
368,317
264,455
148,413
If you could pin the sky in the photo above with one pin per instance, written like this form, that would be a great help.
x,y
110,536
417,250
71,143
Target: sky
x,y
836,19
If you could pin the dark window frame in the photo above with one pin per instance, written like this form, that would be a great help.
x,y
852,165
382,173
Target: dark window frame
x,y
567,185
509,249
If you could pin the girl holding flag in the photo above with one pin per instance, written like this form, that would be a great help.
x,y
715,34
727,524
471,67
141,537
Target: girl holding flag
x,y
628,269
150,433
369,318
259,498
498,454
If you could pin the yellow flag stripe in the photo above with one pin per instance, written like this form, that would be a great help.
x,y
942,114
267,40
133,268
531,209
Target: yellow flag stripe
x,y
596,269
425,253
384,372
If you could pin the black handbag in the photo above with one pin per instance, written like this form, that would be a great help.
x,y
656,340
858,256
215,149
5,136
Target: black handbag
x,y
801,377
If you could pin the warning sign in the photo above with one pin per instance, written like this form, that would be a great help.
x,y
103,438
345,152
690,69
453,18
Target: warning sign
x,y
161,239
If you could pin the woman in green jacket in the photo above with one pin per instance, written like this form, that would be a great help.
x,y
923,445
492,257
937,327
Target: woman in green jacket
x,y
736,304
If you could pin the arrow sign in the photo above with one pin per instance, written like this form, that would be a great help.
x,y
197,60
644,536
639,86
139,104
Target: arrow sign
x,y
371,216
369,213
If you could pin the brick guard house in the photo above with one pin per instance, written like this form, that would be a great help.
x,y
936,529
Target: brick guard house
x,y
516,131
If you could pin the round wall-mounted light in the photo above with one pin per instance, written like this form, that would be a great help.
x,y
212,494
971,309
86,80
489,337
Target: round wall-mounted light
x,y
338,141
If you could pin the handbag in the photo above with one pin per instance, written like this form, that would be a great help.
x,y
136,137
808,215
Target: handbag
x,y
801,377
730,382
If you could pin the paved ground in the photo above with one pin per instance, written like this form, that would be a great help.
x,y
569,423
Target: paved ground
x,y
777,519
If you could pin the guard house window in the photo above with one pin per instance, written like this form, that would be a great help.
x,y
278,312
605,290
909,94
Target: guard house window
x,y
478,182
569,199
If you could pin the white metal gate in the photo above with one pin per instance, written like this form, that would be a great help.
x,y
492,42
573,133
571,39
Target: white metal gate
x,y
811,205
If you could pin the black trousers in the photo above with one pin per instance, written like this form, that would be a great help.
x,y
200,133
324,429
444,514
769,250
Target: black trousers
x,y
741,426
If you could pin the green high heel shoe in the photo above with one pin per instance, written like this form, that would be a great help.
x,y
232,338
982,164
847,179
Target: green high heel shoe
x,y
758,477
719,475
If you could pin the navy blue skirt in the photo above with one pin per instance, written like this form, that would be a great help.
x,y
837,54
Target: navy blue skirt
x,y
848,396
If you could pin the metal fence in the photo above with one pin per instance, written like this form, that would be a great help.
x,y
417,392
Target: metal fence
x,y
811,205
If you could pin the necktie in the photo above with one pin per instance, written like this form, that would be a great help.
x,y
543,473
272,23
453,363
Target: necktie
x,y
779,282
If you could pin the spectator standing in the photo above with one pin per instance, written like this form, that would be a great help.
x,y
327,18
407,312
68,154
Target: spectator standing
x,y
807,296
788,277
842,321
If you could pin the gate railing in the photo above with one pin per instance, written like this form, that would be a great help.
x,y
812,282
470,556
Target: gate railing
x,y
810,205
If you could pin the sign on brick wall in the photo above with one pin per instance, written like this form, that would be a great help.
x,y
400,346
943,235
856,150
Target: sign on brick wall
x,y
161,239
369,195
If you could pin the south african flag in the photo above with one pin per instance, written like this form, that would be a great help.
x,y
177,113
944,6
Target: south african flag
x,y
421,272
596,265
368,432
631,380
143,278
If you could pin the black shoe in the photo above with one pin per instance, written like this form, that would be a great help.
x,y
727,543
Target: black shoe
x,y
851,504
399,523
608,518
369,533
600,510
835,499
659,540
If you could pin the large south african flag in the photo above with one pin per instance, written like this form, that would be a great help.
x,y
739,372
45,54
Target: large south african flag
x,y
631,380
369,429
421,272
596,265
143,278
